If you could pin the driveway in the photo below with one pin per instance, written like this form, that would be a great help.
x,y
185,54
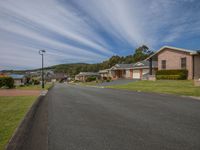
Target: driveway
x,y
117,82
84,118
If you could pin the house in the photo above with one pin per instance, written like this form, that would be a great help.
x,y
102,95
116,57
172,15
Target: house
x,y
177,58
50,76
105,73
82,76
119,71
138,70
18,79
3,75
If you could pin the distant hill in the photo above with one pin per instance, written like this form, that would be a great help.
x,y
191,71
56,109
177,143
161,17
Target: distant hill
x,y
73,69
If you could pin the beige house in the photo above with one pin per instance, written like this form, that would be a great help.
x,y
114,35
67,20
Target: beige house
x,y
139,70
105,73
18,79
82,76
177,58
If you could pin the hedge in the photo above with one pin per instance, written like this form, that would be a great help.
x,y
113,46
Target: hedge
x,y
6,81
171,74
91,78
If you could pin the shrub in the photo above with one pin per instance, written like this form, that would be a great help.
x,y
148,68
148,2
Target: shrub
x,y
168,77
35,82
171,75
104,78
91,78
6,81
107,80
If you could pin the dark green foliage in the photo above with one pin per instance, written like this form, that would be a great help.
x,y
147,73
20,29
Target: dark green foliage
x,y
141,53
92,78
35,82
107,79
7,82
171,74
104,78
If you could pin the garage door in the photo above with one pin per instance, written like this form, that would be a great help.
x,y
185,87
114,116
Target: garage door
x,y
136,74
145,71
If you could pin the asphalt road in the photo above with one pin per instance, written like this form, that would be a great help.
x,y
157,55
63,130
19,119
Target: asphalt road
x,y
85,118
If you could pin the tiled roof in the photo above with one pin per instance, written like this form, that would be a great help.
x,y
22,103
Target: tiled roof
x,y
122,66
141,64
145,64
103,71
88,74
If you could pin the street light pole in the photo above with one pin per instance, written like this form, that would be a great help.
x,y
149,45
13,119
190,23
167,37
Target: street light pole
x,y
41,52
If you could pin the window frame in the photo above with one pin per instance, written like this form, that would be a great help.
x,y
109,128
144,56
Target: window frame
x,y
163,64
183,63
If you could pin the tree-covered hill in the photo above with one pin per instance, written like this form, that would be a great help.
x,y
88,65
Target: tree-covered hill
x,y
141,53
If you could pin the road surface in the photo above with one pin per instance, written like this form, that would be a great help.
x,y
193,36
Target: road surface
x,y
85,118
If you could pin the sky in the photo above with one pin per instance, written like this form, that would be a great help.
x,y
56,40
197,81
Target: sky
x,y
90,31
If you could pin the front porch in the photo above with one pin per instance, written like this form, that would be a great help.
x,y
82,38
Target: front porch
x,y
118,74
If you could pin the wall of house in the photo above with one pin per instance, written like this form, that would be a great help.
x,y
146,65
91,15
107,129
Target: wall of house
x,y
173,60
18,82
197,66
128,73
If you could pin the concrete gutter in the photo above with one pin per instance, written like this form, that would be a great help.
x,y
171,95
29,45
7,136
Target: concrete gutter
x,y
21,133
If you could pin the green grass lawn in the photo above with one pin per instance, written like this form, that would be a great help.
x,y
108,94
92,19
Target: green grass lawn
x,y
34,87
12,110
88,83
178,87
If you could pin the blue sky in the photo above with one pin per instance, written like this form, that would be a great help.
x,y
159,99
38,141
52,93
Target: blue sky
x,y
91,31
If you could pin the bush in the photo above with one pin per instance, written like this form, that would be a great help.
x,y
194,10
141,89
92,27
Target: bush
x,y
168,77
6,81
91,78
171,75
107,80
35,82
104,78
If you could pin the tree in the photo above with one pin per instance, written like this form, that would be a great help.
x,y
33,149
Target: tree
x,y
141,53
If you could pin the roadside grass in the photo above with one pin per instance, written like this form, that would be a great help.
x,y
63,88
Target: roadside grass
x,y
88,83
178,87
12,110
34,87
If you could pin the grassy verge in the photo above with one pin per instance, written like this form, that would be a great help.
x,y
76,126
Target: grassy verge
x,y
34,87
88,83
179,87
12,110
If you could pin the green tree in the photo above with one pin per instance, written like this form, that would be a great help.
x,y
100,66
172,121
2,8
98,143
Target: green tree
x,y
141,53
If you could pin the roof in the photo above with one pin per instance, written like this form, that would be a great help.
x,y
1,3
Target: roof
x,y
122,66
104,71
16,76
140,64
3,75
191,52
145,64
88,74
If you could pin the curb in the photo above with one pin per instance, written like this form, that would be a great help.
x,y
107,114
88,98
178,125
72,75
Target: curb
x,y
94,86
193,97
21,133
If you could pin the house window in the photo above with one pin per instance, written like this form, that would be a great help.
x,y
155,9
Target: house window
x,y
183,63
163,65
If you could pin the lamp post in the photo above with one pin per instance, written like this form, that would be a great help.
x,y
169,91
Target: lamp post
x,y
41,52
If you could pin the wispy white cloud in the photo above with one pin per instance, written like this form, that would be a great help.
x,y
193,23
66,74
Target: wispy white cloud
x,y
88,30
